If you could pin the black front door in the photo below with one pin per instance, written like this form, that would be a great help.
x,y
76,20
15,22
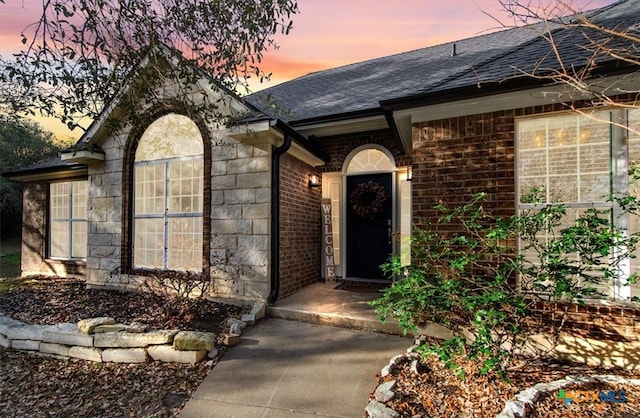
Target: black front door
x,y
369,220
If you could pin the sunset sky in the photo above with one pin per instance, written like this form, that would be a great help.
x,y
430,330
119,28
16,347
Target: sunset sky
x,y
329,33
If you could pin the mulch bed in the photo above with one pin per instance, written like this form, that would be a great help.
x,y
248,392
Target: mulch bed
x,y
38,386
435,391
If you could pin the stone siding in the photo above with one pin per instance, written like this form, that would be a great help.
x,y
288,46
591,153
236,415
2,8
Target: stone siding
x,y
240,215
237,214
105,213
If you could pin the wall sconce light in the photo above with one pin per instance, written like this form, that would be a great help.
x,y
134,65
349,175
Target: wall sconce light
x,y
409,173
313,181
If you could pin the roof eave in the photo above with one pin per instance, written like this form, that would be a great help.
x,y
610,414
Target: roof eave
x,y
48,174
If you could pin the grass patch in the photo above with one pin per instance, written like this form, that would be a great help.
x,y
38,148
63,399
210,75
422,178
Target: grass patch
x,y
8,284
9,260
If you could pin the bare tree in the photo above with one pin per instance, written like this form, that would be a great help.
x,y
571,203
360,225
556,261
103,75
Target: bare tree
x,y
80,53
585,49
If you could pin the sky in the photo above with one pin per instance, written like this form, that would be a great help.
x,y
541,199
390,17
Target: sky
x,y
330,33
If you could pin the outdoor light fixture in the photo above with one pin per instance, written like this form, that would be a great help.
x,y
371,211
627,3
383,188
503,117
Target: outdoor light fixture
x,y
409,173
313,181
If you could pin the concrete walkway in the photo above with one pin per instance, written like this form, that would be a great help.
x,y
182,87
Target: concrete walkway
x,y
291,369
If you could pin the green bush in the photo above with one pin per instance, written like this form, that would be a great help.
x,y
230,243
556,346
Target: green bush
x,y
467,273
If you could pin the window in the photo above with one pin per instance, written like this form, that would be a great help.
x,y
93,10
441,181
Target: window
x,y
168,196
68,220
580,160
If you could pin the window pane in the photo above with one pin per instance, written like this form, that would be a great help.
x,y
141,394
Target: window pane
x,y
370,160
185,187
569,155
68,201
185,139
79,239
79,200
563,189
59,239
149,243
185,243
405,219
59,205
634,221
169,181
149,197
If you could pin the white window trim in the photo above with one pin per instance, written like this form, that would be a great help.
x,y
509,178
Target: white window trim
x,y
69,219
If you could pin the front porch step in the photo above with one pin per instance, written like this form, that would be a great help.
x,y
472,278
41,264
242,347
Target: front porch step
x,y
322,304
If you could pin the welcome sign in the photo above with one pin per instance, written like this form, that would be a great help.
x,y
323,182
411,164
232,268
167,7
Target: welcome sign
x,y
327,243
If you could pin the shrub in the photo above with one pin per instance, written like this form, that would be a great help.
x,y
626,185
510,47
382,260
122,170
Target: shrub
x,y
467,273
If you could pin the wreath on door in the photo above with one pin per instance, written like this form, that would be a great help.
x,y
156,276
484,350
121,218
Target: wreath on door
x,y
368,199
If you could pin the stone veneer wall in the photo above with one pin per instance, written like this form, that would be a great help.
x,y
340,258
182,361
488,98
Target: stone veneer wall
x,y
105,214
458,157
240,213
239,217
34,236
300,231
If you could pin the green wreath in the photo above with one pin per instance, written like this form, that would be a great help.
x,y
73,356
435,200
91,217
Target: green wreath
x,y
368,199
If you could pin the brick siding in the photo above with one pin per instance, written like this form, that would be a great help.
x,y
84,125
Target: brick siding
x,y
455,158
597,321
339,146
299,227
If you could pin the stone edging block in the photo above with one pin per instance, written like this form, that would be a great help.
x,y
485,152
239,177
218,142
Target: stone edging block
x,y
86,353
167,353
53,348
30,345
104,340
133,340
124,355
67,334
194,341
88,325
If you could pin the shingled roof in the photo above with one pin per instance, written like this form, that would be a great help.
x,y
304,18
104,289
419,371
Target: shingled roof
x,y
358,89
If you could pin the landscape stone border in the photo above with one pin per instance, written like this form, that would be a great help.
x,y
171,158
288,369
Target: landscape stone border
x,y
515,408
104,340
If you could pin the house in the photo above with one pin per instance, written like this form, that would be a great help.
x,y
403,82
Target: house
x,y
380,142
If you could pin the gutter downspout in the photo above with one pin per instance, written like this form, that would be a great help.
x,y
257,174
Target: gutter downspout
x,y
275,218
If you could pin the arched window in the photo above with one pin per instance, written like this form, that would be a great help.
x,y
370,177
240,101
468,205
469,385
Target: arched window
x,y
370,159
168,196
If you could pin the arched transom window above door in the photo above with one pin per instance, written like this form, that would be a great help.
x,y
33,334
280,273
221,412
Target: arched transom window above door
x,y
370,159
168,196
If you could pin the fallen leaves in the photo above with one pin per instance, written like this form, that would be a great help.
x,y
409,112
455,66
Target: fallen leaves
x,y
436,391
37,386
